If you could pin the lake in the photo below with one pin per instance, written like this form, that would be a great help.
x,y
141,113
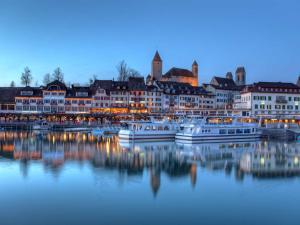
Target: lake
x,y
74,178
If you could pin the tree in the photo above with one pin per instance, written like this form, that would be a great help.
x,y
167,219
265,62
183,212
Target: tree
x,y
58,75
26,77
124,72
92,79
47,79
36,83
12,84
133,73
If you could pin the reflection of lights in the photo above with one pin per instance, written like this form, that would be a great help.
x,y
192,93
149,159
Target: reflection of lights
x,y
262,160
65,137
296,160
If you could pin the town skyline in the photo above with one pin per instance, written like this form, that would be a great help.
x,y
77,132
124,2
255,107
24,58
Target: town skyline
x,y
220,36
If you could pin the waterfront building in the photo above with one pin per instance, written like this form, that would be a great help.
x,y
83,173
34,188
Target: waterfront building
x,y
270,99
55,98
224,90
174,74
184,98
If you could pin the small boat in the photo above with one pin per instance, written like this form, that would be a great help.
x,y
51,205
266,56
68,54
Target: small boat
x,y
77,129
97,132
202,131
149,130
41,126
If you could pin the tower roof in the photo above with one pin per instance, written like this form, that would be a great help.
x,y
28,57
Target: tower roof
x,y
240,69
195,63
157,57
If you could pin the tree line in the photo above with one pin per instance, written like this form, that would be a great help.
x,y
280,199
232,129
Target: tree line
x,y
124,72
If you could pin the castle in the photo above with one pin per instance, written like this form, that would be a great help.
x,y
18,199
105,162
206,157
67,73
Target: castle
x,y
174,74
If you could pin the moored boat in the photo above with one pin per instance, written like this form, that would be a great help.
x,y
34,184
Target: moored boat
x,y
202,131
43,125
149,130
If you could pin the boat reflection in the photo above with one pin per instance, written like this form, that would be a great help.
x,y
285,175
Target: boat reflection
x,y
258,158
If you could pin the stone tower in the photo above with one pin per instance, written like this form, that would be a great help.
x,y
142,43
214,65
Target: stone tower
x,y
240,76
156,70
229,75
298,81
195,73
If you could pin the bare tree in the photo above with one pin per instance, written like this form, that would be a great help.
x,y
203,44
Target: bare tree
x,y
36,83
26,77
58,75
12,84
92,79
47,79
124,72
133,73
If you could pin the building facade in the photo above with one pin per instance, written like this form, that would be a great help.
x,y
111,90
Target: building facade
x,y
269,99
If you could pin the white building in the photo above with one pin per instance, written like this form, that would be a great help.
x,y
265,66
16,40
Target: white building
x,y
269,99
224,90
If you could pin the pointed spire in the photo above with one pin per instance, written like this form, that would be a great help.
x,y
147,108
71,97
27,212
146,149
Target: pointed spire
x,y
195,63
157,57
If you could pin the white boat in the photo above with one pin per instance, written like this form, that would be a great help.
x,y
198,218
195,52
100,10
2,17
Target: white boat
x,y
150,131
202,131
77,129
100,131
41,126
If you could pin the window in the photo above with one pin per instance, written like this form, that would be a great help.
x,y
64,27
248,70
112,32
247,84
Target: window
x,y
247,131
222,131
26,93
82,94
269,98
231,131
239,131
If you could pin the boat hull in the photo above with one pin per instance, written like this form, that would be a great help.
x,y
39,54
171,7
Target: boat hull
x,y
131,136
183,138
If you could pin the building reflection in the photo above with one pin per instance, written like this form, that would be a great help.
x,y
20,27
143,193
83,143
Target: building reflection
x,y
53,150
56,149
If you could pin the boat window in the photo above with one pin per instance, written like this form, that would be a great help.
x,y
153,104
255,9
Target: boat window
x,y
154,127
239,131
160,128
166,128
231,131
252,130
247,131
222,131
147,128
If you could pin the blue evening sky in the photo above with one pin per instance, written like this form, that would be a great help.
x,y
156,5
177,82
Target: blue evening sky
x,y
86,37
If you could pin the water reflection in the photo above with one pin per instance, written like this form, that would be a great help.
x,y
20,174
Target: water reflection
x,y
259,159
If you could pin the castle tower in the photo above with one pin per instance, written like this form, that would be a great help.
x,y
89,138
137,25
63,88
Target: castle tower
x,y
298,81
229,75
240,76
156,70
195,73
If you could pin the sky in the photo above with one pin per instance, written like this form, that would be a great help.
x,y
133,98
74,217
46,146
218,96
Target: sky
x,y
86,37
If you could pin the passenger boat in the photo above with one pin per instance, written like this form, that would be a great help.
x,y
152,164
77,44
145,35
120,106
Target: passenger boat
x,y
43,125
203,131
149,130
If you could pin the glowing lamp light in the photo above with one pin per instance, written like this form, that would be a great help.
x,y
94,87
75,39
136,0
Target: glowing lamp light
x,y
296,160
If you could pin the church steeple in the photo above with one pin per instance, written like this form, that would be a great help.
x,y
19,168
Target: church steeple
x,y
156,69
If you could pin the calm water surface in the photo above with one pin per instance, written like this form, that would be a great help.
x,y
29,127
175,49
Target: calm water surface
x,y
62,178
